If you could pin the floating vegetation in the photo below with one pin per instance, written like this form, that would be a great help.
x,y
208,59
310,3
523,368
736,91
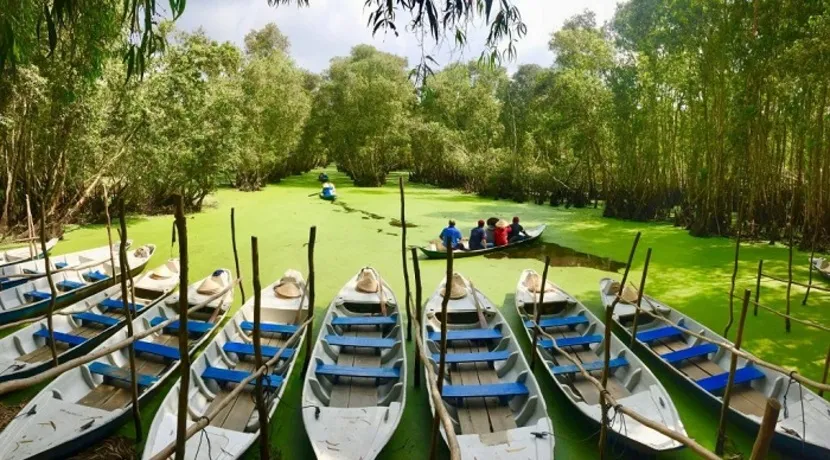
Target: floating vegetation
x,y
397,223
560,256
350,210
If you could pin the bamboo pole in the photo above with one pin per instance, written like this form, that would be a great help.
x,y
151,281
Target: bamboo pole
x,y
606,353
416,268
733,364
826,369
758,286
790,277
732,288
13,385
814,288
405,265
30,227
767,431
810,280
124,267
236,254
262,407
53,348
639,298
181,425
805,322
537,312
109,229
312,238
442,362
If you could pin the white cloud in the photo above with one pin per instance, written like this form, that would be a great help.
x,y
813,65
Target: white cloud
x,y
329,28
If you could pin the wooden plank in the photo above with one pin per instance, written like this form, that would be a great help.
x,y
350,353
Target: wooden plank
x,y
745,399
341,390
501,416
473,409
364,392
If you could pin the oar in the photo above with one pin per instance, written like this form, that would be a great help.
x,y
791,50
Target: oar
x,y
479,311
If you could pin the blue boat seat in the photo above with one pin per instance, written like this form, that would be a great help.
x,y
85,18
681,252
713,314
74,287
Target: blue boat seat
x,y
592,366
220,375
359,342
94,318
96,276
121,375
355,371
37,296
247,349
570,321
582,340
365,320
273,328
69,285
742,375
503,391
485,357
117,304
150,348
467,334
659,333
193,327
691,352
61,265
69,339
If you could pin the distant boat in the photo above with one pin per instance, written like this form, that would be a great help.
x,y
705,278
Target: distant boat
x,y
580,334
497,408
25,253
37,267
436,251
704,368
822,266
355,389
328,193
90,402
323,177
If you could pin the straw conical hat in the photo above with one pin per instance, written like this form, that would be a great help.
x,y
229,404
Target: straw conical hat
x,y
213,284
288,288
141,252
629,294
502,224
533,283
824,265
366,282
458,289
166,271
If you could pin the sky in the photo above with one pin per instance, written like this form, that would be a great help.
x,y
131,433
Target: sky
x,y
329,28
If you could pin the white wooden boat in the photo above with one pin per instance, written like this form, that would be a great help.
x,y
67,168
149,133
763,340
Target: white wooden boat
x,y
355,389
22,254
704,369
228,359
81,326
90,402
37,267
32,297
822,266
581,334
489,390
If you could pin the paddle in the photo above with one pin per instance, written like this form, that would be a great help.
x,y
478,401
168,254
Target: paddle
x,y
479,311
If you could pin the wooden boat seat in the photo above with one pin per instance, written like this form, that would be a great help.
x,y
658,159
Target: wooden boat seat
x,y
96,276
359,342
688,353
69,285
247,349
659,333
220,375
117,304
570,321
365,320
164,351
582,340
38,295
122,375
590,366
481,357
94,318
69,339
193,327
503,391
273,328
61,265
377,373
467,334
719,381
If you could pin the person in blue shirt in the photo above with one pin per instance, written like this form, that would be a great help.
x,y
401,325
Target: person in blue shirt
x,y
478,237
451,235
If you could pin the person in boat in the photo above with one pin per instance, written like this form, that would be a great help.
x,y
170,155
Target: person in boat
x,y
451,236
323,177
490,231
478,237
517,232
502,232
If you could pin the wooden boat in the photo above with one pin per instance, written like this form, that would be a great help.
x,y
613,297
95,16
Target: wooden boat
x,y
81,326
822,266
328,192
435,250
355,389
581,334
228,359
489,390
90,402
37,267
704,368
32,298
22,254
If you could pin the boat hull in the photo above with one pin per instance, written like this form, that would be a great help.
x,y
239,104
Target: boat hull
x,y
432,254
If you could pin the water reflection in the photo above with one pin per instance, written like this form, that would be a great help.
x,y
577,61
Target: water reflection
x,y
397,223
560,256
350,209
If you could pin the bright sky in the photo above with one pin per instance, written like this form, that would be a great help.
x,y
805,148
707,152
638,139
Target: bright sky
x,y
329,28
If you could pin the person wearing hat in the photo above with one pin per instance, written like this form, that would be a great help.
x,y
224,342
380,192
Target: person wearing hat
x,y
517,232
478,239
500,235
451,236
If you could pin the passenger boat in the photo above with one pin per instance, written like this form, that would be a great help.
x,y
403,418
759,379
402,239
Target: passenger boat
x,y
37,268
25,253
228,359
328,192
355,390
822,266
579,333
489,390
435,250
90,402
704,368
81,326
32,298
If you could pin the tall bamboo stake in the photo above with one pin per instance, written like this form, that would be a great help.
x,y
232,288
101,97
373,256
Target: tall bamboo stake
x,y
312,238
262,408
124,268
235,253
734,276
826,369
405,265
639,298
52,290
442,362
606,352
767,431
181,426
417,270
810,282
789,277
109,228
537,312
758,286
30,228
733,364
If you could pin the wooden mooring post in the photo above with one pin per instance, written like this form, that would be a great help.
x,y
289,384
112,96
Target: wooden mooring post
x,y
787,323
734,277
416,268
235,253
262,407
53,292
184,365
537,312
639,300
733,364
442,362
758,286
810,279
826,370
124,268
767,431
405,265
309,340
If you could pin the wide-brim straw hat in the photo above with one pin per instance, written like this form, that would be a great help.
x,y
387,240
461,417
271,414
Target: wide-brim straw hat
x,y
212,285
824,265
166,271
288,288
533,283
367,283
502,224
629,294
142,251
458,289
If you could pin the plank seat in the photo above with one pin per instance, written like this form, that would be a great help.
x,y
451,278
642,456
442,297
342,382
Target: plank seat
x,y
69,339
570,321
220,375
164,351
365,320
96,276
356,371
87,317
687,353
60,265
117,304
503,391
359,342
69,285
591,366
247,349
37,296
483,357
273,328
466,334
193,327
122,375
742,375
659,333
582,340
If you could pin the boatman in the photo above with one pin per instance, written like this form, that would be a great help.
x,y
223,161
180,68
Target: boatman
x,y
451,236
478,238
517,232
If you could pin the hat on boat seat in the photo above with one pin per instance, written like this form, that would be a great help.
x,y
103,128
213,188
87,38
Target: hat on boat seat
x,y
141,252
824,265
166,271
212,285
367,282
533,283
458,289
629,294
288,286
